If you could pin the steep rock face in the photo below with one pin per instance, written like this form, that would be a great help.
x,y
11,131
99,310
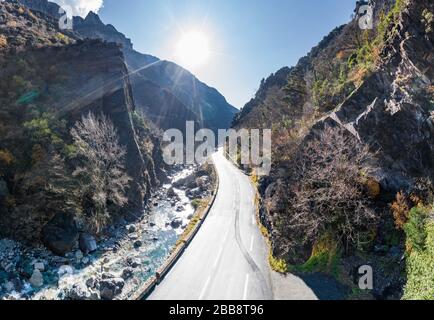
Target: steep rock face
x,y
96,81
389,107
392,109
47,83
50,8
168,94
106,90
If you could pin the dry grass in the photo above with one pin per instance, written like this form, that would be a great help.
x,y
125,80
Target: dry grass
x,y
6,158
11,24
3,41
400,209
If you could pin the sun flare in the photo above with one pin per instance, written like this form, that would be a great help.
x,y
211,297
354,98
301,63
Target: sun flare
x,y
193,49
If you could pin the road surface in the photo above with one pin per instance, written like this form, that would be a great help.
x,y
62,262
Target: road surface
x,y
227,260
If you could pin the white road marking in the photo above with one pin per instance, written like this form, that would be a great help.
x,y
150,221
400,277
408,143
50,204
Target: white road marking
x,y
221,249
202,294
251,243
218,258
246,287
253,220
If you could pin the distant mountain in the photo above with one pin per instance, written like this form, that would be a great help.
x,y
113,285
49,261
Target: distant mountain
x,y
167,94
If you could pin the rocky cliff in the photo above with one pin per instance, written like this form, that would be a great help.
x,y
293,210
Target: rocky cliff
x,y
49,80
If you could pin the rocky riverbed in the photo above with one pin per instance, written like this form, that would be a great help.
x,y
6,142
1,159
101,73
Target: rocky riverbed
x,y
125,257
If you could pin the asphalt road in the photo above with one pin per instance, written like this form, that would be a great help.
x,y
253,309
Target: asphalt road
x,y
227,260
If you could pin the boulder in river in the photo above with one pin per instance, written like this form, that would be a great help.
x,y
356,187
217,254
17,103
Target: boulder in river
x,y
60,234
91,283
171,194
9,286
65,270
138,244
110,288
80,292
176,223
39,266
127,273
186,183
36,280
131,228
79,255
134,263
87,243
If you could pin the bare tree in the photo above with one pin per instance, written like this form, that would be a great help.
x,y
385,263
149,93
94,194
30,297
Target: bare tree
x,y
102,174
327,192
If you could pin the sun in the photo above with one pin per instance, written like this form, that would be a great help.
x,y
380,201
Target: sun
x,y
193,49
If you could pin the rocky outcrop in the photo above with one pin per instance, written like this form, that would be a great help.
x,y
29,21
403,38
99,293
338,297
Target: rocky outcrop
x,y
50,8
93,28
21,28
60,234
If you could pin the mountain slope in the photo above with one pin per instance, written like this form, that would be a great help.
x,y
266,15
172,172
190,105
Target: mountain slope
x,y
168,94
49,80
358,90
268,105
192,100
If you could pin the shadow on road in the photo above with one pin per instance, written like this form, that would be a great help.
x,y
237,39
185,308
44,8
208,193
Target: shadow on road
x,y
325,287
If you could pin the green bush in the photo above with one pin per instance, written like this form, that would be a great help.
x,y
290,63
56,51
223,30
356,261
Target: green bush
x,y
196,203
47,131
278,265
138,121
420,270
364,60
325,258
428,19
38,129
415,229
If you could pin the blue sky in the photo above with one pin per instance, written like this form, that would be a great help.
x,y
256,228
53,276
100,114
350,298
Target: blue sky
x,y
249,39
